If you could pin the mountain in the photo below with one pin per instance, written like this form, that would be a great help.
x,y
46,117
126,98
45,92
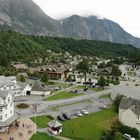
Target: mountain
x,y
26,17
94,28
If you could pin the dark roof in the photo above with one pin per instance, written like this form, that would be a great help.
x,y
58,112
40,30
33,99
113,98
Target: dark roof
x,y
133,104
136,108
57,69
37,86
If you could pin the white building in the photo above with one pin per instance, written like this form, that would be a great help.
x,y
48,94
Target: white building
x,y
129,112
31,87
10,83
55,127
7,115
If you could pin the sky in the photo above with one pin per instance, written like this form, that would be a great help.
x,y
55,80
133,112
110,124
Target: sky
x,y
124,12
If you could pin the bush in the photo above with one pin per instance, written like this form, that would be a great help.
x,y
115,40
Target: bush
x,y
50,117
126,129
117,101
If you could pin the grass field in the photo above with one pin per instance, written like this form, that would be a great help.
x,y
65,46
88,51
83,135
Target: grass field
x,y
63,95
89,127
42,136
41,121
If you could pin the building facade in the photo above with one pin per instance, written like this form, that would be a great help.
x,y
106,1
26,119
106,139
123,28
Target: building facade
x,y
129,112
7,116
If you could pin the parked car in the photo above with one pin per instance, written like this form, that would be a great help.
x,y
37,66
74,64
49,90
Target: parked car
x,y
61,118
128,137
103,107
84,112
67,116
85,89
78,113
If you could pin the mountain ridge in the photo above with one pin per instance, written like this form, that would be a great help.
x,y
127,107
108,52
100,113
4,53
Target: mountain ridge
x,y
27,17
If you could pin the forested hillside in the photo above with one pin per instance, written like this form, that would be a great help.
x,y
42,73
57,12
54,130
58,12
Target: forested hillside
x,y
17,47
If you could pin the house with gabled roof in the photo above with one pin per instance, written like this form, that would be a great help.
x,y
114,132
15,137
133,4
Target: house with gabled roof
x,y
55,127
7,114
56,72
129,112
37,88
20,66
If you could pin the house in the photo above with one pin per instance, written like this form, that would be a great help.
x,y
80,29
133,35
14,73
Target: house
x,y
39,89
20,67
55,127
104,71
7,115
129,112
55,72
10,83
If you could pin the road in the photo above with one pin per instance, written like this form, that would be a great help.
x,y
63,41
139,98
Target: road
x,y
126,88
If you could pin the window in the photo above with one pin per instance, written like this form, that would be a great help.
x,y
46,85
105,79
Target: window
x,y
11,104
8,100
6,108
0,109
138,120
5,115
0,117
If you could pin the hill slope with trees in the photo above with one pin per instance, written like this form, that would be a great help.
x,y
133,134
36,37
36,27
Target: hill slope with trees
x,y
25,48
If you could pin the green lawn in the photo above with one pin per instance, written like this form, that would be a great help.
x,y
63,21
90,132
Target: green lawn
x,y
63,95
41,121
42,136
89,127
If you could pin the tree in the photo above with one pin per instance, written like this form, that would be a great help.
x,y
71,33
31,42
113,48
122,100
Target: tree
x,y
44,77
116,71
118,136
84,68
21,78
117,101
102,82
35,107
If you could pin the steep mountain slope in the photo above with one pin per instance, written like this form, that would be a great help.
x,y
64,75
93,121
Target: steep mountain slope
x,y
98,29
26,17
28,48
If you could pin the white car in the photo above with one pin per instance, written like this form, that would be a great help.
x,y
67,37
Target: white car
x,y
103,107
78,113
84,112
128,137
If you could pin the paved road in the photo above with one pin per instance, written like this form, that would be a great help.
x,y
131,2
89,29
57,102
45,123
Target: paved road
x,y
126,88
44,106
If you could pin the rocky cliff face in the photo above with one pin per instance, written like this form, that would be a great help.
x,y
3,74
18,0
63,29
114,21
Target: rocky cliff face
x,y
26,17
98,29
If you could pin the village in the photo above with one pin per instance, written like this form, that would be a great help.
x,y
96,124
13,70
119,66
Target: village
x,y
46,95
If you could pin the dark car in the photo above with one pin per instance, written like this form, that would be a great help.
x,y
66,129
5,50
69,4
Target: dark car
x,y
61,118
85,89
66,116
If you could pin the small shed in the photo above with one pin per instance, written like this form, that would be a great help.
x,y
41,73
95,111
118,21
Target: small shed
x,y
39,89
55,127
